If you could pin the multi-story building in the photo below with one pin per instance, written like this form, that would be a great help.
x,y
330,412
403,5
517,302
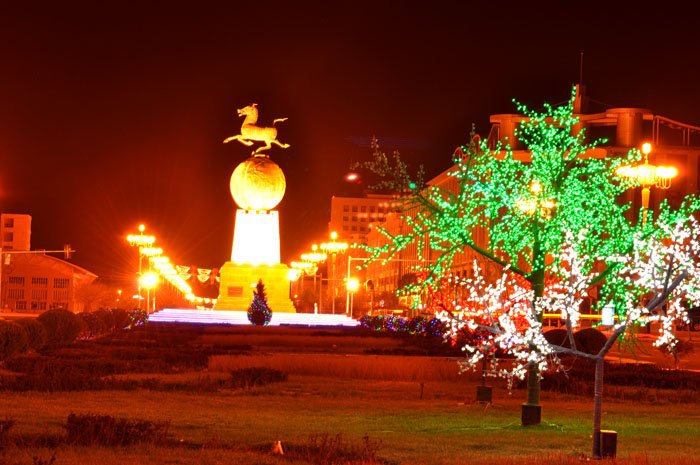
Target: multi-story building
x,y
351,216
30,280
15,231
674,144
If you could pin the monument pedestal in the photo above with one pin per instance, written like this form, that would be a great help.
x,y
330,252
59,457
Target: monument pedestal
x,y
238,282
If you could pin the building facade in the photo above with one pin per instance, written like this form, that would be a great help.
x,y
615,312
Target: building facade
x,y
31,281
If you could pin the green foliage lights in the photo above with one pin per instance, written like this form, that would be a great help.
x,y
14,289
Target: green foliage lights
x,y
575,192
259,313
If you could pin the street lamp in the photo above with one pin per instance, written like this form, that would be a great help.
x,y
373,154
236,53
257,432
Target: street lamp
x,y
149,281
648,175
143,242
353,284
333,248
314,258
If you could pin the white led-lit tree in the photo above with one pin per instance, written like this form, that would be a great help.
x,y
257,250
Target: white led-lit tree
x,y
556,226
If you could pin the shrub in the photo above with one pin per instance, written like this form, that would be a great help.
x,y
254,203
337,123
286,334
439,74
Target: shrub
x,y
93,325
558,337
245,378
121,318
327,449
5,426
109,431
61,326
137,317
13,339
589,340
36,333
106,317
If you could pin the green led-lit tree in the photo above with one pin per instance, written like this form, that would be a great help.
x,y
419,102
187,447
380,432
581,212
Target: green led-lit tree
x,y
259,313
535,212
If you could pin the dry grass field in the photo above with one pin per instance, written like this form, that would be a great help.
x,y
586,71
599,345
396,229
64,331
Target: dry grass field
x,y
340,408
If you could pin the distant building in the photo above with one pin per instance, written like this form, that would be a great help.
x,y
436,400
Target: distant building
x,y
15,231
351,216
31,281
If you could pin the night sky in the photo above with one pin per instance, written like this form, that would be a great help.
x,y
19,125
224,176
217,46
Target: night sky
x,y
115,116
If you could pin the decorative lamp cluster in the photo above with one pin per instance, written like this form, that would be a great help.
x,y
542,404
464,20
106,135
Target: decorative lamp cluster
x,y
647,174
162,267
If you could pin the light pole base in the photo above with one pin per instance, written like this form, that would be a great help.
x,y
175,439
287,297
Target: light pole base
x,y
531,414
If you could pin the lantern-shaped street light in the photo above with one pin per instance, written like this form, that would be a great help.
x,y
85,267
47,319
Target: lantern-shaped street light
x,y
648,175
333,248
144,243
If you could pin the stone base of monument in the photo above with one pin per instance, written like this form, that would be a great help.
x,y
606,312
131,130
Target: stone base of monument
x,y
238,282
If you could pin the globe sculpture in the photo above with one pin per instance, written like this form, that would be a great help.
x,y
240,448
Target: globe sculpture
x,y
257,186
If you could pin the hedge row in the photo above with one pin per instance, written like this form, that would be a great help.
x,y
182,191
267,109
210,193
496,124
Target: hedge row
x,y
396,324
56,327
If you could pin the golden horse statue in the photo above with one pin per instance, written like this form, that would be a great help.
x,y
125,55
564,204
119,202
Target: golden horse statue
x,y
250,132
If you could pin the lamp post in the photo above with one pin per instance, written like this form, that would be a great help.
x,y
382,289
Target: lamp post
x,y
352,285
149,281
348,278
143,242
333,248
648,175
314,258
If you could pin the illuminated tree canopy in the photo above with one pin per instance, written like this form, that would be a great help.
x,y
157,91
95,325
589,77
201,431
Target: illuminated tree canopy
x,y
555,224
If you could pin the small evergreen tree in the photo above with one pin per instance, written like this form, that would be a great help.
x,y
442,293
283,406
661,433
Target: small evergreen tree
x,y
259,313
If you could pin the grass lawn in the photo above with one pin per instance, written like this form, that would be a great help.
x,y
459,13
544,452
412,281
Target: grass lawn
x,y
442,427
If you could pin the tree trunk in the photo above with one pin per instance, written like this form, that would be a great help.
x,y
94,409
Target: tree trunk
x,y
537,283
531,410
597,406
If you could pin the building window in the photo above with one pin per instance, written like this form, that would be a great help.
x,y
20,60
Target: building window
x,y
363,229
9,222
8,236
15,294
345,228
38,305
363,219
60,295
354,208
40,294
354,218
16,281
371,209
40,282
21,305
354,228
346,208
363,208
345,218
60,283
380,209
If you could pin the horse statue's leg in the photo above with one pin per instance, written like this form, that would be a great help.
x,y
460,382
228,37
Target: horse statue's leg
x,y
284,146
239,139
260,149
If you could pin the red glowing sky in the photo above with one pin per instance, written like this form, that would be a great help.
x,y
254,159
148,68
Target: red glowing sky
x,y
114,116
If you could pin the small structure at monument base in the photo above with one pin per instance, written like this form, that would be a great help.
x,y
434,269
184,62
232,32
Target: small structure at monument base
x,y
238,281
